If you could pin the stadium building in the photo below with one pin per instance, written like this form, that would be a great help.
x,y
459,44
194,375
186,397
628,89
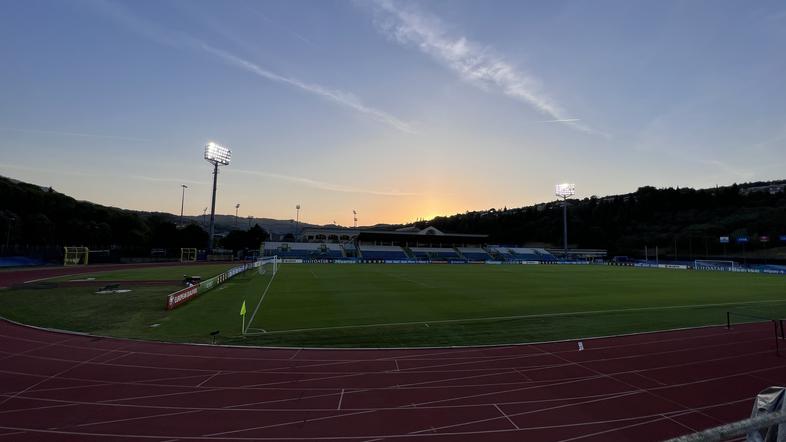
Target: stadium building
x,y
409,244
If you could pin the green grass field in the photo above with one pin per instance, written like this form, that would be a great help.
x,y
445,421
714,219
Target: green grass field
x,y
409,305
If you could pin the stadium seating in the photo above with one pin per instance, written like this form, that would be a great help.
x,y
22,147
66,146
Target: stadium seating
x,y
435,253
500,253
545,255
475,254
294,250
382,252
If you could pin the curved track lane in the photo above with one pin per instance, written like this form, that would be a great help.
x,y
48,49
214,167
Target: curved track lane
x,y
65,387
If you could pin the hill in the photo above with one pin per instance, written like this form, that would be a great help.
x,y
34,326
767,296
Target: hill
x,y
683,222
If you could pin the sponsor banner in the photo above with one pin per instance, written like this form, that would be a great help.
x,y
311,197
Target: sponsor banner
x,y
235,270
530,262
672,266
290,261
724,239
764,239
742,240
345,261
494,262
783,238
209,284
181,296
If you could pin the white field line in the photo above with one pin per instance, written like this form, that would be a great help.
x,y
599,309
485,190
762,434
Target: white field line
x,y
259,304
542,315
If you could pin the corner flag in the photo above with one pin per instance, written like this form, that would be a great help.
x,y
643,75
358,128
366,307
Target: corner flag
x,y
243,318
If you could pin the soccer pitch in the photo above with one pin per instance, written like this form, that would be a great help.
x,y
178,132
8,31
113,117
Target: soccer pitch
x,y
425,305
374,305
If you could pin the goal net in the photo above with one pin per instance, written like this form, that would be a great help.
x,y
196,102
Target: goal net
x,y
188,254
75,256
267,266
709,264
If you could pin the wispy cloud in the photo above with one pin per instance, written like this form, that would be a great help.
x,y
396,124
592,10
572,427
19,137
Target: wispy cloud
x,y
564,120
473,62
322,185
182,40
73,134
337,96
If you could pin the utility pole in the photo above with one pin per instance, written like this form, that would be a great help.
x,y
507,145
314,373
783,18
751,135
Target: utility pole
x,y
182,202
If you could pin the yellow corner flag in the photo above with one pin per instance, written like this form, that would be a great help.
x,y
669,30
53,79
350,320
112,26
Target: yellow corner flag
x,y
243,309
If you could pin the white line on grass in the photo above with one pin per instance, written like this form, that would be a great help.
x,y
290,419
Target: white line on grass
x,y
502,318
259,304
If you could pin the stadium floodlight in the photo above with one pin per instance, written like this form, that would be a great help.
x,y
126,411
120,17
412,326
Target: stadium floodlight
x,y
565,191
216,155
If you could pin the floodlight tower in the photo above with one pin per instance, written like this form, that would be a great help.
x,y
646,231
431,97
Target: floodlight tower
x,y
217,156
237,207
565,191
182,201
297,217
355,215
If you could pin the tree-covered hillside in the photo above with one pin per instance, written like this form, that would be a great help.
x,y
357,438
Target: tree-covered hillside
x,y
625,224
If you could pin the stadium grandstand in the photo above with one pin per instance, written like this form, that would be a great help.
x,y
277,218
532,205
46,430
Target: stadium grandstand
x,y
408,244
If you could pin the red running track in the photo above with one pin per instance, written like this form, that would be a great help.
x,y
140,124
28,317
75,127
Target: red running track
x,y
16,276
66,387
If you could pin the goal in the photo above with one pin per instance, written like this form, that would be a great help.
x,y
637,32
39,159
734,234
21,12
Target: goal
x,y
73,256
710,264
267,266
188,254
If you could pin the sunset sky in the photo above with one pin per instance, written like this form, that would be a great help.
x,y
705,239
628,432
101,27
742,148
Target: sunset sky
x,y
398,109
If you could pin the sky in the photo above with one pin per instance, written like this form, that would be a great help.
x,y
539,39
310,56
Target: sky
x,y
400,110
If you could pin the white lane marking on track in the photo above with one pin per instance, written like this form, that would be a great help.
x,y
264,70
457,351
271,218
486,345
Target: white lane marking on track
x,y
340,399
506,416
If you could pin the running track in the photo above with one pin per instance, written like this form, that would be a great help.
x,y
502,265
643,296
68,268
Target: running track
x,y
66,387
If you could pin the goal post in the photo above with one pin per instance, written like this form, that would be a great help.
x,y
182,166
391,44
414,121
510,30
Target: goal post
x,y
712,264
75,256
267,266
188,254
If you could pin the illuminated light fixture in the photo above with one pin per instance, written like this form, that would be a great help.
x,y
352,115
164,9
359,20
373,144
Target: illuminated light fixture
x,y
565,191
217,154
